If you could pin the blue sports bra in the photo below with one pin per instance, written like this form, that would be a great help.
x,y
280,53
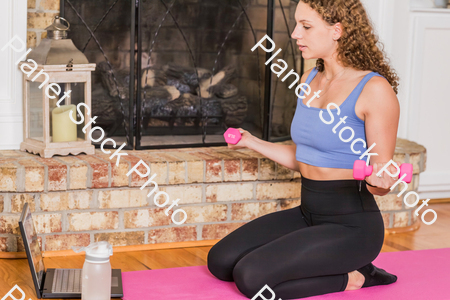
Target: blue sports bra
x,y
317,144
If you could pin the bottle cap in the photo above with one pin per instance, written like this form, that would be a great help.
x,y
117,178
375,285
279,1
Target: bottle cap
x,y
96,252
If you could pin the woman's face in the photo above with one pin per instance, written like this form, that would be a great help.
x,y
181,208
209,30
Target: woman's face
x,y
314,36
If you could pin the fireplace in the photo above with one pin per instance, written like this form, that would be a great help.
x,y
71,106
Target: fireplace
x,y
178,73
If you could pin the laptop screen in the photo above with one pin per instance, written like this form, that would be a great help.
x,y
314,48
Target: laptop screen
x,y
31,240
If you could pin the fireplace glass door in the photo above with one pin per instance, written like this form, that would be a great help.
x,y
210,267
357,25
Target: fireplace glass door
x,y
178,73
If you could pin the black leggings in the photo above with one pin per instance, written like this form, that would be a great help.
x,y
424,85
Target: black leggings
x,y
307,250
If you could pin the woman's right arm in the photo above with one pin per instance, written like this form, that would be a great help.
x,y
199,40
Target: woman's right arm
x,y
282,154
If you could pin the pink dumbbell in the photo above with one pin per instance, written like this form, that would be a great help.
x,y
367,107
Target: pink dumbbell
x,y
232,136
361,171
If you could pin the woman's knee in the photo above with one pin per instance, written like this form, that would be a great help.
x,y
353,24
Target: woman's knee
x,y
248,277
220,263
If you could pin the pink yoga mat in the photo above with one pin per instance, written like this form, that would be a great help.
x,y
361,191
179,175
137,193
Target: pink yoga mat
x,y
422,275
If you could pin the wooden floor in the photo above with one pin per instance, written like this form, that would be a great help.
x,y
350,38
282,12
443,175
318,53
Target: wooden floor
x,y
16,271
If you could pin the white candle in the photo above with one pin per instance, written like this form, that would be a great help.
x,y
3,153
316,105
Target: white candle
x,y
63,129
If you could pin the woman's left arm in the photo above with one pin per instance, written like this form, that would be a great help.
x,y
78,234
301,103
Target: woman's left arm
x,y
381,111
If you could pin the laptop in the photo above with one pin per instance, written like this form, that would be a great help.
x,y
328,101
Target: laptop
x,y
55,283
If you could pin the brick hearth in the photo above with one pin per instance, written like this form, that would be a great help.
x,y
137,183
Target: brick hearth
x,y
78,199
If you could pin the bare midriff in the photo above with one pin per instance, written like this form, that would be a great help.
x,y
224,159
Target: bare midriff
x,y
321,173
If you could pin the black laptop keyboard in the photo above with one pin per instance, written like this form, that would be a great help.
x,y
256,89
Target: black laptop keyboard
x,y
67,281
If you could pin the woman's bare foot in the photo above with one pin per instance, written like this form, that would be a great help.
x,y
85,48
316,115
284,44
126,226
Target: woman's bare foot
x,y
355,281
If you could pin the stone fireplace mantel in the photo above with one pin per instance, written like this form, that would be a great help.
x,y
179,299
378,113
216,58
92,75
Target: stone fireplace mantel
x,y
78,199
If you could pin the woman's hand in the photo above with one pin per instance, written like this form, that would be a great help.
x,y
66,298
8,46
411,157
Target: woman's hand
x,y
243,142
385,181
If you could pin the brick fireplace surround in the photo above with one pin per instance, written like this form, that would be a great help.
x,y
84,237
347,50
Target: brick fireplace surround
x,y
79,199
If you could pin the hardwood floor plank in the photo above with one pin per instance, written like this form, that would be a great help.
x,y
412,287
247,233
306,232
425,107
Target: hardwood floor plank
x,y
387,248
127,262
170,258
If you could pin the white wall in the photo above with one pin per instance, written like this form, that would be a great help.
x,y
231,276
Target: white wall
x,y
13,21
429,121
417,42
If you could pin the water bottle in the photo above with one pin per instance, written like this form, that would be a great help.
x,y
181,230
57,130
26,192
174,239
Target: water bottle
x,y
96,274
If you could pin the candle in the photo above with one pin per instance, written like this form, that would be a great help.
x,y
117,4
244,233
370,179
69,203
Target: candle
x,y
63,129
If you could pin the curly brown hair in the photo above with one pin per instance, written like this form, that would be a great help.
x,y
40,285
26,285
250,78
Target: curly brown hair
x,y
358,45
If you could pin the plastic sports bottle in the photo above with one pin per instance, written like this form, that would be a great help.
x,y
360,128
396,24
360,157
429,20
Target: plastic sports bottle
x,y
96,274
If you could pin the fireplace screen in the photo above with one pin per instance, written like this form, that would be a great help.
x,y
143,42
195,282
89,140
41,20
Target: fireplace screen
x,y
178,73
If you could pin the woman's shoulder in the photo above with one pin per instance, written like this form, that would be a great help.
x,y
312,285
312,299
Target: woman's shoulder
x,y
378,83
378,91
375,83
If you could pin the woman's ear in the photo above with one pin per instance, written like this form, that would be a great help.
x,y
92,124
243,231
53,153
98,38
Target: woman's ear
x,y
337,31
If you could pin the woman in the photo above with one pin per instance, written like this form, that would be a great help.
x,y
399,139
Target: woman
x,y
326,244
